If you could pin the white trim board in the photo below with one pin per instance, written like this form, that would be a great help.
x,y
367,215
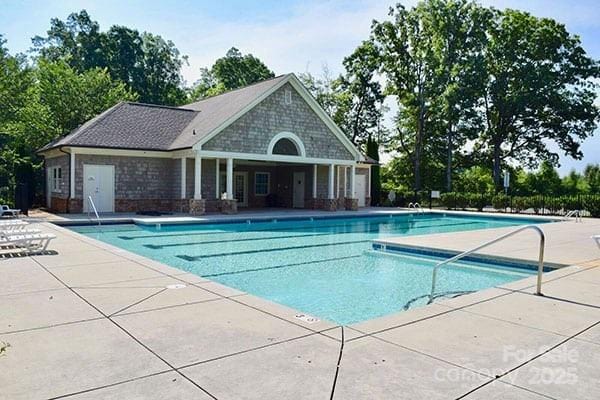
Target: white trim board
x,y
273,157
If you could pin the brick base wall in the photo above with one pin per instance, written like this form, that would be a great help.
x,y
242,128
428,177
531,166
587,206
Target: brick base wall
x,y
76,206
197,206
163,205
58,205
228,206
324,204
351,204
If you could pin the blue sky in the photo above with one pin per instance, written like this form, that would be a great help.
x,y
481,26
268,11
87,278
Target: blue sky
x,y
289,35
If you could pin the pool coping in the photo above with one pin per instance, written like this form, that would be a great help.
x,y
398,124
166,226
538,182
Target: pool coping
x,y
237,218
384,334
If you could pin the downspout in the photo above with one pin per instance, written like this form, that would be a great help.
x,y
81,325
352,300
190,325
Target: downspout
x,y
70,172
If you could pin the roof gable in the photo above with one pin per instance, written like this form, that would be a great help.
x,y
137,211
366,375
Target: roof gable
x,y
283,111
216,110
306,96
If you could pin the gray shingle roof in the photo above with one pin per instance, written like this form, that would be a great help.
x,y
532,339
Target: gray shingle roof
x,y
131,125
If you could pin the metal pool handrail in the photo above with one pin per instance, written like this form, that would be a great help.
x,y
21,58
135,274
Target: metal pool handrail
x,y
486,244
573,213
417,207
95,210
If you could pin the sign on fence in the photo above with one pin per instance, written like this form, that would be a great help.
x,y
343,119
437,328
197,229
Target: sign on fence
x,y
435,194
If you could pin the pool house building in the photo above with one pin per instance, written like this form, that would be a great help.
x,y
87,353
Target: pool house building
x,y
269,144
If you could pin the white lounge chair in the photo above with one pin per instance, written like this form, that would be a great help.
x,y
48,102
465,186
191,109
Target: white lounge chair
x,y
6,210
597,240
28,242
13,225
19,232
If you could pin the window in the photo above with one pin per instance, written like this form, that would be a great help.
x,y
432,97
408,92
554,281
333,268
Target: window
x,y
285,147
261,183
288,97
55,179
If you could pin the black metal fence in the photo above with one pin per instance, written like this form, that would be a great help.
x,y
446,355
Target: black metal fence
x,y
588,204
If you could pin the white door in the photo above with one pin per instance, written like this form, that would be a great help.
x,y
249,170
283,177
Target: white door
x,y
49,188
360,185
298,199
240,188
99,183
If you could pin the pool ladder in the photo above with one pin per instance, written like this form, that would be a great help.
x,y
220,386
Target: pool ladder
x,y
417,207
571,214
93,207
489,243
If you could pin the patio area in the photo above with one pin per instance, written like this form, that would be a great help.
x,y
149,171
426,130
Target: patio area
x,y
94,321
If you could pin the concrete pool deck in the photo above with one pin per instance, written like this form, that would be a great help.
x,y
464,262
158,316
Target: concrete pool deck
x,y
89,320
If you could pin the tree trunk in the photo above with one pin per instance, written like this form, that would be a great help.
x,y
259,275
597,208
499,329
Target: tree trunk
x,y
497,172
449,162
418,148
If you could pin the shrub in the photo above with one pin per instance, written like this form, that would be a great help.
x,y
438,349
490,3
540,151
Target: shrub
x,y
474,200
500,201
592,205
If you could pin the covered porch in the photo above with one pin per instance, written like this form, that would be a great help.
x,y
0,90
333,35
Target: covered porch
x,y
230,184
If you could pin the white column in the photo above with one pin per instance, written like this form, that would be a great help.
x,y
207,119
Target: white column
x,y
369,177
230,178
352,178
183,176
330,192
337,183
345,181
315,167
72,175
218,179
198,177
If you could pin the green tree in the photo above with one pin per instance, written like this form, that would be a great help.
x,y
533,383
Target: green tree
x,y
45,102
72,98
538,88
457,34
573,183
149,65
230,72
358,86
591,175
475,180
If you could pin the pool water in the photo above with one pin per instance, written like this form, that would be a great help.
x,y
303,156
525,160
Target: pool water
x,y
323,267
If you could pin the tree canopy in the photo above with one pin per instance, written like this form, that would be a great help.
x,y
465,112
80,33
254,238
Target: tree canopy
x,y
233,71
148,64
507,83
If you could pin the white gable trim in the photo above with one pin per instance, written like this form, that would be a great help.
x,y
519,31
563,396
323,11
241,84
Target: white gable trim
x,y
308,98
316,107
287,135
238,115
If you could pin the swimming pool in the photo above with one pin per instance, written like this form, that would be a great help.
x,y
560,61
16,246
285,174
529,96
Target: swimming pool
x,y
323,267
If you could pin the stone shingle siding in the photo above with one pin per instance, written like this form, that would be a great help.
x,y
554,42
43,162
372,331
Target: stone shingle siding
x,y
253,132
135,177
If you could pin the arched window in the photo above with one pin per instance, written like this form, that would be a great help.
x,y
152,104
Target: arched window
x,y
286,147
286,144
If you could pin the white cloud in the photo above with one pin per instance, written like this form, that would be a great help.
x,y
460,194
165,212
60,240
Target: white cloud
x,y
318,33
